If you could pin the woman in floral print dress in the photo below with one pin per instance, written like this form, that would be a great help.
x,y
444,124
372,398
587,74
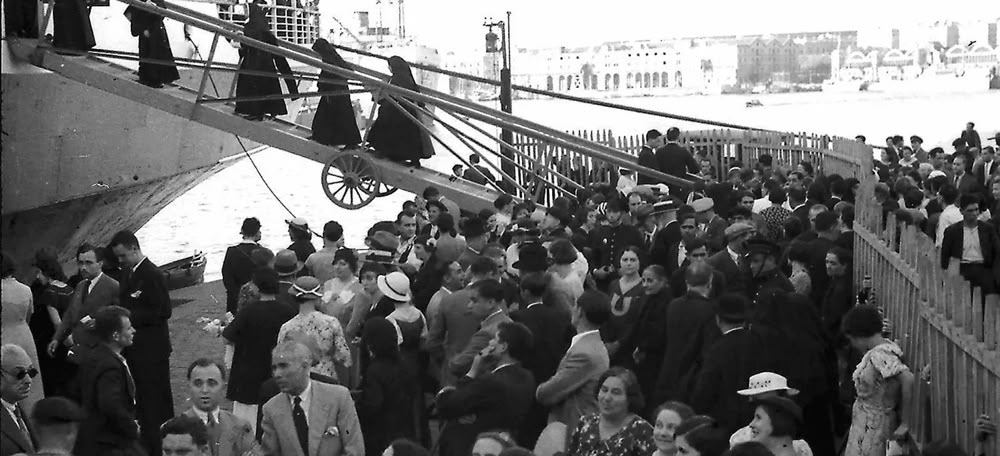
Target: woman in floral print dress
x,y
615,430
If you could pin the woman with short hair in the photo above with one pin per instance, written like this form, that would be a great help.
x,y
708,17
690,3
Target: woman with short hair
x,y
667,418
616,430
52,296
776,421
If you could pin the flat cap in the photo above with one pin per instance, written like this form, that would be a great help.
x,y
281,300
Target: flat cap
x,y
702,204
738,229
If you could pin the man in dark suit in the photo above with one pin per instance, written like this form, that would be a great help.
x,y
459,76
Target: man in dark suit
x,y
238,266
144,293
731,261
647,157
985,169
696,251
477,173
16,433
736,355
572,392
689,331
676,160
495,394
714,225
965,182
552,332
93,293
977,265
668,231
607,242
487,304
676,254
108,392
308,418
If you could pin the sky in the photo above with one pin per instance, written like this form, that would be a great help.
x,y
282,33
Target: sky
x,y
457,24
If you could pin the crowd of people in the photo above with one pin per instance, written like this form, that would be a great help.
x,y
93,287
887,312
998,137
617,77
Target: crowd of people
x,y
721,319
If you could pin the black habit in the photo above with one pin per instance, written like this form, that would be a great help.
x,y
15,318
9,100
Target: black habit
x,y
334,122
144,293
394,134
71,25
153,44
254,59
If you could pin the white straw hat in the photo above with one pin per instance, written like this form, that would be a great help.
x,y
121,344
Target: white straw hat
x,y
395,286
765,382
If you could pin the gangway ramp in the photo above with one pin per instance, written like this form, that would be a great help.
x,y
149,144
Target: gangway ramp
x,y
181,101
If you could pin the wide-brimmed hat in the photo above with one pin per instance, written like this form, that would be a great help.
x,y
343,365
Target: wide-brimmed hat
x,y
306,287
532,257
286,263
395,286
765,382
298,223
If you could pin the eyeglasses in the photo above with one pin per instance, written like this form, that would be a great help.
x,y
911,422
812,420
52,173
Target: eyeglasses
x,y
21,372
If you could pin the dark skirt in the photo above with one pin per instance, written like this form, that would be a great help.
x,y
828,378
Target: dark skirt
x,y
257,86
71,24
156,47
397,137
334,122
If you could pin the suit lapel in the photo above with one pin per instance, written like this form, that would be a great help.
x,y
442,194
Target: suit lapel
x,y
285,426
318,414
9,427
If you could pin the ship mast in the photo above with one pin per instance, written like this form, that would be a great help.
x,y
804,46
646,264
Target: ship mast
x,y
402,20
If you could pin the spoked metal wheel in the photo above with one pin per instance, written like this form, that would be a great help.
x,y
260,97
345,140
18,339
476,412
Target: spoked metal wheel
x,y
350,181
385,189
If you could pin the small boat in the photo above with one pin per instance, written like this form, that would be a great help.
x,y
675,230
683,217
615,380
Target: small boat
x,y
185,272
754,103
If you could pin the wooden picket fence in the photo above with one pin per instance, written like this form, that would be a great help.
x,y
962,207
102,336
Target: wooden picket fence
x,y
828,155
950,336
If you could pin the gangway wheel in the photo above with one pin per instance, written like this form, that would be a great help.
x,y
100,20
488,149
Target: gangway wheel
x,y
385,189
350,181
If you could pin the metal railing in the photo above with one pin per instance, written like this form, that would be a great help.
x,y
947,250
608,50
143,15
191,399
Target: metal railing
x,y
297,25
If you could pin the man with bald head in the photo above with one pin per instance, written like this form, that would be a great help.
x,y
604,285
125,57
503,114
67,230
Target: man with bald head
x,y
16,434
308,418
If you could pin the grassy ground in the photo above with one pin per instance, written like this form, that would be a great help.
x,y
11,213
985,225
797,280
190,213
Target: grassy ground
x,y
190,342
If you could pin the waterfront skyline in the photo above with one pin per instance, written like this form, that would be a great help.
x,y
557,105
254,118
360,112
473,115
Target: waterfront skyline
x,y
550,23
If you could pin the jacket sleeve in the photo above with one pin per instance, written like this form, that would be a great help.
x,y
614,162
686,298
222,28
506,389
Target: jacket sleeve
x,y
435,334
110,400
707,386
949,239
573,372
71,316
470,395
269,435
459,364
350,427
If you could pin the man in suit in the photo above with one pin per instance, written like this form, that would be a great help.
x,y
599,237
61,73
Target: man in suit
x,y
687,224
453,325
647,157
185,435
478,173
696,251
668,231
308,418
93,293
476,237
16,434
731,262
228,435
144,293
977,261
690,330
965,182
676,160
736,355
714,225
495,395
238,266
57,423
572,392
108,391
269,389
827,226
552,332
487,304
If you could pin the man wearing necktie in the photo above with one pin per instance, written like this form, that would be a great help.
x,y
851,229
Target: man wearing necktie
x,y
228,435
107,390
16,435
309,418
96,291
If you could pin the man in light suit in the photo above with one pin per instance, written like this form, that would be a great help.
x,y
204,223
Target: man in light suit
x,y
308,418
495,394
93,293
453,325
144,293
571,392
228,435
486,303
16,434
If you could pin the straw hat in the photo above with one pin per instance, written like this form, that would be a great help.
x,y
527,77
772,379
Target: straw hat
x,y
765,382
395,286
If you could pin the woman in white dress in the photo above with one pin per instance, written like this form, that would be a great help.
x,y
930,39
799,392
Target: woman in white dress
x,y
15,312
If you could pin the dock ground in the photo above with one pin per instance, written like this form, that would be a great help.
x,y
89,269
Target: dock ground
x,y
189,340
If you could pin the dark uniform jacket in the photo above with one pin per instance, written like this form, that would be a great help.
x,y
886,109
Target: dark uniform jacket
x,y
497,400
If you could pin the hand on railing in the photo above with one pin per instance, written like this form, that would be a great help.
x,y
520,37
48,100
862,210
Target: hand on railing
x,y
985,428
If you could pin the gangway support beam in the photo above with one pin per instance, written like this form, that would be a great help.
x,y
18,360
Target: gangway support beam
x,y
290,137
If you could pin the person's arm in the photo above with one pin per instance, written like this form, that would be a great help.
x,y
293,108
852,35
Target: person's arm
x,y
460,363
436,326
905,407
573,372
268,434
349,426
71,317
985,430
110,400
466,398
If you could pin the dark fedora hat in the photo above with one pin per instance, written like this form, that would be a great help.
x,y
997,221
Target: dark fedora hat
x,y
532,257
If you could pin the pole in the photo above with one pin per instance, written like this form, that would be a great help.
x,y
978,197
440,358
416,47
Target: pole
x,y
506,99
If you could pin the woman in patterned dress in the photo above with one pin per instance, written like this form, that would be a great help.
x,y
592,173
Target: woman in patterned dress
x,y
626,304
323,329
615,430
883,382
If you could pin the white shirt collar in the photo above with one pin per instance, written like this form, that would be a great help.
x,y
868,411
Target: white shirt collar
x,y
732,253
503,366
536,303
7,405
495,312
93,281
577,337
203,416
731,330
137,264
306,396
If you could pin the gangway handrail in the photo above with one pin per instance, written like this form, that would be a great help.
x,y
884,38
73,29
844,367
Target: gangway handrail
x,y
433,97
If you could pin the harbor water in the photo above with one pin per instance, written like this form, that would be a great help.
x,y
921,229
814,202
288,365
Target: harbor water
x,y
207,218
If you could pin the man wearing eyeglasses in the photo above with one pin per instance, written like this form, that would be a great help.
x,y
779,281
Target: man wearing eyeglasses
x,y
16,435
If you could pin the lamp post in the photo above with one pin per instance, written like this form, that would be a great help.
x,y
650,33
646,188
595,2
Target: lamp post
x,y
506,99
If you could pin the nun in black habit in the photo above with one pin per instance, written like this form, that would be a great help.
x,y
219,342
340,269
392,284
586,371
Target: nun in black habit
x,y
153,44
393,134
334,122
254,59
71,25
